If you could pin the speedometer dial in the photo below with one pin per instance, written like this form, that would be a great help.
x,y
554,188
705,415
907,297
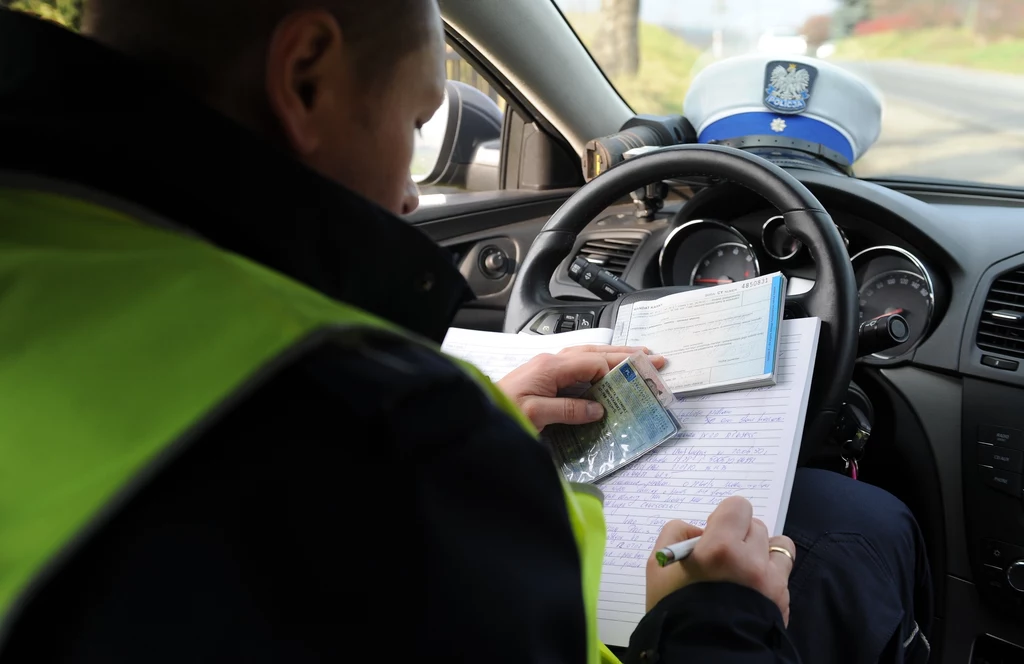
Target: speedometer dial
x,y
724,264
898,292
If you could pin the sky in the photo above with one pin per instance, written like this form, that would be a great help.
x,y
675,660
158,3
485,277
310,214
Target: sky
x,y
753,15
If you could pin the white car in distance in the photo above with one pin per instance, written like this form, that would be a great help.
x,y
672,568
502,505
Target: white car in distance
x,y
784,41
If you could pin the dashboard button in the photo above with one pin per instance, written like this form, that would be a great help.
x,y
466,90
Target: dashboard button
x,y
1001,436
999,554
548,324
1001,480
999,363
586,321
993,577
1000,457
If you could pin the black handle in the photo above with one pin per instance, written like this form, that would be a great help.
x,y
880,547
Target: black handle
x,y
598,280
882,333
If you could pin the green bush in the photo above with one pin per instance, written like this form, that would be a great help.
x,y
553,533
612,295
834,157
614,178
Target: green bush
x,y
951,46
667,64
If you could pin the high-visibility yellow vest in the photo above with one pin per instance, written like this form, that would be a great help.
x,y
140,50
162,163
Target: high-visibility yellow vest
x,y
117,337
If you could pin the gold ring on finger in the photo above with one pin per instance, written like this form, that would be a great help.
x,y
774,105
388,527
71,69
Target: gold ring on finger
x,y
781,549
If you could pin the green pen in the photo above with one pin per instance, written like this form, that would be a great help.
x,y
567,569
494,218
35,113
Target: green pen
x,y
676,552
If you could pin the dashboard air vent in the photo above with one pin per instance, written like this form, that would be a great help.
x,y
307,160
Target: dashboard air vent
x,y
611,253
1002,318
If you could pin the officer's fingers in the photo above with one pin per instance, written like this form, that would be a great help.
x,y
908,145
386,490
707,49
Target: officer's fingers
x,y
730,522
543,411
572,368
757,535
663,581
782,562
675,532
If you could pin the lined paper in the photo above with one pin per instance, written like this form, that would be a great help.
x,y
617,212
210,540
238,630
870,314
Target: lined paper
x,y
496,354
744,442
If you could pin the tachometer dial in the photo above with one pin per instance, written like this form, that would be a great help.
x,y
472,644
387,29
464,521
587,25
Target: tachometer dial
x,y
724,264
898,292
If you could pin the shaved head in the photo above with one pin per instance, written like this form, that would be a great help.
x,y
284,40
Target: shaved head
x,y
206,44
344,85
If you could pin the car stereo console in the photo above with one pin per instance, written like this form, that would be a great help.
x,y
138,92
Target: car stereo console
x,y
993,466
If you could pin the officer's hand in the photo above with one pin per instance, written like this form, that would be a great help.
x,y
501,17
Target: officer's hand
x,y
534,386
733,547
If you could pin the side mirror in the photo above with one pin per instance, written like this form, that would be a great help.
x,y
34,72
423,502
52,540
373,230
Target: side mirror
x,y
460,146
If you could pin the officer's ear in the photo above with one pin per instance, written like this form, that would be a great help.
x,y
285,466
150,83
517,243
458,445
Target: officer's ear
x,y
307,78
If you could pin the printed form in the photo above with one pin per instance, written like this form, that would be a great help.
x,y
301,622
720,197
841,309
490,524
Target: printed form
x,y
742,442
712,338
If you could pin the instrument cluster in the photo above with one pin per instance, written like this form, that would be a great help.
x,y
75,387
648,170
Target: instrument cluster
x,y
709,252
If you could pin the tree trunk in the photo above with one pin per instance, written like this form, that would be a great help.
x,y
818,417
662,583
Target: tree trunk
x,y
616,48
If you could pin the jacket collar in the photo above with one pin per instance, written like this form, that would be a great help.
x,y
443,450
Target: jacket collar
x,y
73,110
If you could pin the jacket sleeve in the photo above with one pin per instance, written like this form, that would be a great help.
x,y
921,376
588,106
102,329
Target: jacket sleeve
x,y
480,560
712,622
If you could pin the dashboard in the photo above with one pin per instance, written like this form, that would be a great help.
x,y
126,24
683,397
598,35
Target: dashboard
x,y
709,252
725,234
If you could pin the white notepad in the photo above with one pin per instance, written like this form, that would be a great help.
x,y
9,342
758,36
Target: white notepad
x,y
742,442
496,354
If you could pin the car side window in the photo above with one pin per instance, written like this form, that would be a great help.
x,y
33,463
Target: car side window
x,y
459,149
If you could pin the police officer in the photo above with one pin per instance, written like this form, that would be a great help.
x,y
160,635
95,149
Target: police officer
x,y
227,433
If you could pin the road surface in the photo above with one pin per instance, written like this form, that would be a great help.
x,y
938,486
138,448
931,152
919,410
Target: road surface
x,y
946,122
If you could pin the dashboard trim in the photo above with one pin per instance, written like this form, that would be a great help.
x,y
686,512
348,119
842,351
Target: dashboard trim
x,y
711,222
970,354
917,263
800,245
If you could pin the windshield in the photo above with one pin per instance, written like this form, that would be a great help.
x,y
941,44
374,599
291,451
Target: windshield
x,y
951,72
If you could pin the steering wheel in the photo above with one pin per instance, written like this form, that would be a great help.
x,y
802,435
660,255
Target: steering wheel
x,y
833,298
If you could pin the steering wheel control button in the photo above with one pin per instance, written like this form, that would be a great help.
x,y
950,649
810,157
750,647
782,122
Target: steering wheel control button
x,y
1002,480
1002,436
1015,576
547,324
568,323
882,333
598,281
1000,457
586,322
999,363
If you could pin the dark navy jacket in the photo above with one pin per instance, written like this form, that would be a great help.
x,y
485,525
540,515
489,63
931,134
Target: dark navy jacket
x,y
370,506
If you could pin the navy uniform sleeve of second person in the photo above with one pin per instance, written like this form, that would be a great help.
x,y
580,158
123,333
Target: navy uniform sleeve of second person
x,y
712,622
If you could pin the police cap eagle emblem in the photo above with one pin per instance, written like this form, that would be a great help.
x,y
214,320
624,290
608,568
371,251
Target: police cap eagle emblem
x,y
787,86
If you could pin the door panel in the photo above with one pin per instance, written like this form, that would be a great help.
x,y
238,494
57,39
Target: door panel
x,y
474,226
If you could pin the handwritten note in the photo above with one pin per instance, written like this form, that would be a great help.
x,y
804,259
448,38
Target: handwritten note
x,y
744,443
496,354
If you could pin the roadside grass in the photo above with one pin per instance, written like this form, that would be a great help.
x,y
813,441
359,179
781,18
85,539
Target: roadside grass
x,y
667,63
947,46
